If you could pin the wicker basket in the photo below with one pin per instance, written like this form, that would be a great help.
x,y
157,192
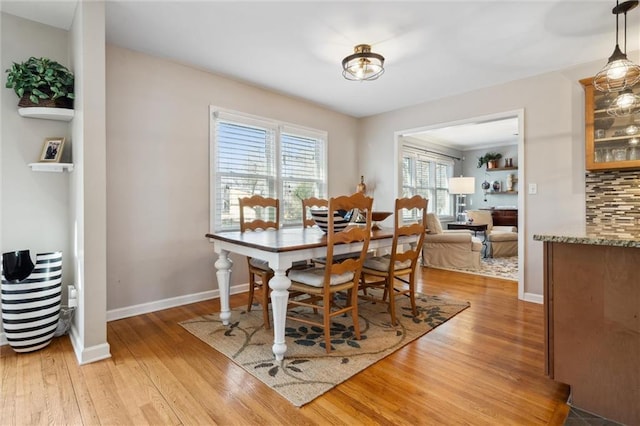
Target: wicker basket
x,y
25,102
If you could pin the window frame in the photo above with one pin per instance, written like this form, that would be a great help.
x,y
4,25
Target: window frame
x,y
416,154
277,180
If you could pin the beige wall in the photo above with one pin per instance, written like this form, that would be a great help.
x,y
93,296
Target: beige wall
x,y
158,171
553,106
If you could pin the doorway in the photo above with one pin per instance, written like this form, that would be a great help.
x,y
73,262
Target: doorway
x,y
461,140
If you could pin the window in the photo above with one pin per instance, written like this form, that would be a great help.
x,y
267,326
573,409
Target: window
x,y
251,155
428,176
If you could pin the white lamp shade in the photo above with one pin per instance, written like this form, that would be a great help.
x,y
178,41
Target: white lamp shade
x,y
462,185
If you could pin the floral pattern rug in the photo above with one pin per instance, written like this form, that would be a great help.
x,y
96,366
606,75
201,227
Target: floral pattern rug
x,y
307,371
500,267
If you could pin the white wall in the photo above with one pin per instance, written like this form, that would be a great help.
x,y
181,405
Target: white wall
x,y
87,219
158,172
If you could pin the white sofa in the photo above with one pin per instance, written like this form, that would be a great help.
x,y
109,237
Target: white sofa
x,y
502,241
450,249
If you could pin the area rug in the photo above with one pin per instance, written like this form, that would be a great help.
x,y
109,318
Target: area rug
x,y
500,267
307,371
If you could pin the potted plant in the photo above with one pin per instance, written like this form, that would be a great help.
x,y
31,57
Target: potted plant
x,y
41,82
490,159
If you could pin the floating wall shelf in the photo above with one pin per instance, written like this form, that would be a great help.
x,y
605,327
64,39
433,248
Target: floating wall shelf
x,y
51,167
60,114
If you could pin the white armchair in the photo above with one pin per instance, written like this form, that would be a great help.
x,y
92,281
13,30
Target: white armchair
x,y
502,241
450,249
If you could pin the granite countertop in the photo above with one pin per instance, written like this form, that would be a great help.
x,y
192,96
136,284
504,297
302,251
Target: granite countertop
x,y
597,238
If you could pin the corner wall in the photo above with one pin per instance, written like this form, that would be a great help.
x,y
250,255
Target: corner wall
x,y
158,175
34,206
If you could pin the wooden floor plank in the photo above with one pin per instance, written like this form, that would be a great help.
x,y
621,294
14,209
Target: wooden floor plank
x,y
485,366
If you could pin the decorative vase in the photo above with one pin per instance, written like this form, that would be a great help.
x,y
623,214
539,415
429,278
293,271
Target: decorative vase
x,y
31,296
362,187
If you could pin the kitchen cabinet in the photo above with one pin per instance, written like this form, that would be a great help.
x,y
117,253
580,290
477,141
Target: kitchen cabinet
x,y
611,143
592,322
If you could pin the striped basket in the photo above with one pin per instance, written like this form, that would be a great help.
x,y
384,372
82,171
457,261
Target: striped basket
x,y
31,307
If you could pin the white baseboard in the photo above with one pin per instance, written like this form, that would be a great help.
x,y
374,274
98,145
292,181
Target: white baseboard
x,y
3,339
158,305
90,354
534,298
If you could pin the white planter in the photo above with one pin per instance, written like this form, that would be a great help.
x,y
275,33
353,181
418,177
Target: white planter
x,y
31,304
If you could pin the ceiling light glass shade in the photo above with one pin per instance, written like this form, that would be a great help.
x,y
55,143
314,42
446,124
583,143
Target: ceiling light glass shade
x,y
619,73
363,65
626,103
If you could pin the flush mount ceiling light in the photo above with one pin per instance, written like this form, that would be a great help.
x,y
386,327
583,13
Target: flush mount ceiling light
x,y
363,64
619,73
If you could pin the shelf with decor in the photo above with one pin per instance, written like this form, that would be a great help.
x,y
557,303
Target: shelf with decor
x,y
51,167
501,169
611,142
504,192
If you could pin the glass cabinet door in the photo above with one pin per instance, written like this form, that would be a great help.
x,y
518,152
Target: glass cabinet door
x,y
612,141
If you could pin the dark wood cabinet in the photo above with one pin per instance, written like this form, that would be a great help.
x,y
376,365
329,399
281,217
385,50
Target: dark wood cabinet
x,y
504,217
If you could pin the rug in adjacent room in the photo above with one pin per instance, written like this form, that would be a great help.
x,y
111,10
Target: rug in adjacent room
x,y
307,371
499,267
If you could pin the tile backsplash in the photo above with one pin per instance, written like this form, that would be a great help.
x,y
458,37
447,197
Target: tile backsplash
x,y
613,202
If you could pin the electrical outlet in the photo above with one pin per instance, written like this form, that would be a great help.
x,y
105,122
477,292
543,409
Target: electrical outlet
x,y
533,188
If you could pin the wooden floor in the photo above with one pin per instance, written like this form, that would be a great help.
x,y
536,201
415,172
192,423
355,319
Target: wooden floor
x,y
485,366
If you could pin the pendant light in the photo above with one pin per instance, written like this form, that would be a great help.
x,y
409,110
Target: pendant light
x,y
626,103
363,64
619,73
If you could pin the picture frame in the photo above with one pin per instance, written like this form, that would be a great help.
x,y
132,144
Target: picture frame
x,y
52,150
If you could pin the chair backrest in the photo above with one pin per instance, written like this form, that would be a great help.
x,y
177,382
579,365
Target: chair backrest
x,y
266,213
417,205
351,234
308,203
481,217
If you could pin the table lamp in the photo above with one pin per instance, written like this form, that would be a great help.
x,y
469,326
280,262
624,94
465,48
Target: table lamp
x,y
461,186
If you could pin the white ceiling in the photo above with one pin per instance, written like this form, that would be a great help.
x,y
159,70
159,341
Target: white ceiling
x,y
474,134
433,49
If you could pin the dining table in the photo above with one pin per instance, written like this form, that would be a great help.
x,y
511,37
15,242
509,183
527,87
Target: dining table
x,y
280,248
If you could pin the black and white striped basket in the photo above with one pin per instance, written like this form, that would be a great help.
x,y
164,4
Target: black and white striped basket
x,y
31,307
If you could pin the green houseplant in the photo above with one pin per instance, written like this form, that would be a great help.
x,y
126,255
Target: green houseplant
x,y
41,82
490,159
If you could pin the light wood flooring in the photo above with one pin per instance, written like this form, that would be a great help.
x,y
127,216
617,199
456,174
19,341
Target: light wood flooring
x,y
485,366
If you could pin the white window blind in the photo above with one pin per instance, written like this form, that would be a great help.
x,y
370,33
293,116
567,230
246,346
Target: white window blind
x,y
303,172
251,156
428,176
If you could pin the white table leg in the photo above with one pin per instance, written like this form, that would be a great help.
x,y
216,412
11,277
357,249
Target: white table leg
x,y
279,285
223,266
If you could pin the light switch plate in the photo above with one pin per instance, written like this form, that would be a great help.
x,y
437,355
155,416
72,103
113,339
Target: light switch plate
x,y
533,188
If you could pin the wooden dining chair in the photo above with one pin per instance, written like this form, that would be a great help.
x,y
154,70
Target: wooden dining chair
x,y
308,204
317,286
395,273
266,215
